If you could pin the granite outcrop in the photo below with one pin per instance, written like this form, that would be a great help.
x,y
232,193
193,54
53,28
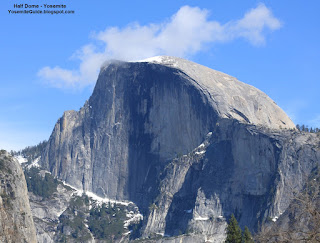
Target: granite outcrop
x,y
187,144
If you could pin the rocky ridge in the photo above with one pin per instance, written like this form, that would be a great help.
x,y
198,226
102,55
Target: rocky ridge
x,y
67,215
229,97
16,223
187,144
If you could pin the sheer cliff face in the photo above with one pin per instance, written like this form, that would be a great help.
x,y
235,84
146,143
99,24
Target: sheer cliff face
x,y
195,143
16,223
240,169
139,116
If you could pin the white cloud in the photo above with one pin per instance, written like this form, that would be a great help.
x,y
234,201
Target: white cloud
x,y
253,24
90,61
186,33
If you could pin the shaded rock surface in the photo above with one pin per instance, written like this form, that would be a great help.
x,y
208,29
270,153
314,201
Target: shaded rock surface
x,y
68,215
187,144
301,221
250,172
16,223
46,213
229,97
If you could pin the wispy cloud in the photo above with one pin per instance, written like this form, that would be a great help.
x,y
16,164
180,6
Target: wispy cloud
x,y
315,122
294,109
186,33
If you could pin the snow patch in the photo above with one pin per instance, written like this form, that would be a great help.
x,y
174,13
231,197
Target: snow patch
x,y
201,149
201,152
105,200
275,218
98,199
199,218
201,146
165,60
135,219
21,159
127,233
59,213
162,234
157,59
35,163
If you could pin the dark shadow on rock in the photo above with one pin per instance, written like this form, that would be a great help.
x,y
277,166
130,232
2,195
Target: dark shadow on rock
x,y
178,216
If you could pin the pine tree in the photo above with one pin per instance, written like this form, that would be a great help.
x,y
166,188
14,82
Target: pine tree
x,y
233,231
247,237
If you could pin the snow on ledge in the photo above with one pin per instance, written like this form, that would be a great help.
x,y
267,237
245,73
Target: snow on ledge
x,y
275,218
35,163
158,59
164,60
136,218
201,152
97,198
199,218
21,159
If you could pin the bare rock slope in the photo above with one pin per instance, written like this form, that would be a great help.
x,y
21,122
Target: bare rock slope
x,y
187,144
16,223
229,97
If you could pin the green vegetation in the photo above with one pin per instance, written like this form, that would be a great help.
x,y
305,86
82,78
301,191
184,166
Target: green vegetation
x,y
107,222
43,186
135,230
72,222
234,234
247,237
31,152
77,226
3,166
305,128
233,231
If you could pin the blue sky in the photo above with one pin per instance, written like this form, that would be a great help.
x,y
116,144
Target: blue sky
x,y
49,63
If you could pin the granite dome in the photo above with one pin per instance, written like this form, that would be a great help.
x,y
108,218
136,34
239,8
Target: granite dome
x,y
230,97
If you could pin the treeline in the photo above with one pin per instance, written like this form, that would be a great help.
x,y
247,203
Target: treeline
x,y
305,128
41,185
234,233
31,152
106,222
82,218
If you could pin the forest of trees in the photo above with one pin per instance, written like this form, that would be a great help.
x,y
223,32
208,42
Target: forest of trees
x,y
31,152
234,233
43,186
305,128
106,222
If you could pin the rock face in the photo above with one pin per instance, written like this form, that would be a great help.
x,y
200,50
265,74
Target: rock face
x,y
16,223
46,213
239,169
229,97
187,144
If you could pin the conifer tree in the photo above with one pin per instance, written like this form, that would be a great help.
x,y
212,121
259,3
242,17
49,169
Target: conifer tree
x,y
247,237
233,231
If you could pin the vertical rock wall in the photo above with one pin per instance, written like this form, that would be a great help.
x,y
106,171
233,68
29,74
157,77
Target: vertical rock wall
x,y
16,223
